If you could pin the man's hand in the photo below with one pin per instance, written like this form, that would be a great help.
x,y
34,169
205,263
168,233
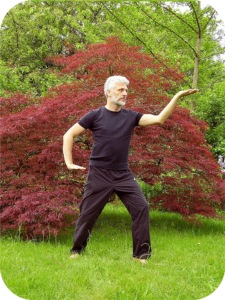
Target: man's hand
x,y
187,92
74,167
148,119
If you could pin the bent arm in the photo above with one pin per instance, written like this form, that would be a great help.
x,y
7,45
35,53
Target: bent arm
x,y
68,138
148,119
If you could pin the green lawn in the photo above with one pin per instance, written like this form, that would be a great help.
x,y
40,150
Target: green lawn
x,y
187,262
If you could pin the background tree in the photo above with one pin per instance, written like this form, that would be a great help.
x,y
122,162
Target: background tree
x,y
40,195
10,80
33,30
190,38
211,107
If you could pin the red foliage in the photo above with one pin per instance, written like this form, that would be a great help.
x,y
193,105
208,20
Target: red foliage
x,y
40,195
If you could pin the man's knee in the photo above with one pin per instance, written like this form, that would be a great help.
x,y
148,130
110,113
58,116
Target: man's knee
x,y
146,207
142,209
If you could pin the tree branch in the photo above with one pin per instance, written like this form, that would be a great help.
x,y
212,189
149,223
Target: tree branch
x,y
141,42
17,37
133,34
196,17
94,12
172,12
167,29
209,21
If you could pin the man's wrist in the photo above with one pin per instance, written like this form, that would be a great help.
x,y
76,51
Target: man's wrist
x,y
179,95
68,164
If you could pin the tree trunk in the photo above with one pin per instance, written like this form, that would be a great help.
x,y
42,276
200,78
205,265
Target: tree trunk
x,y
197,58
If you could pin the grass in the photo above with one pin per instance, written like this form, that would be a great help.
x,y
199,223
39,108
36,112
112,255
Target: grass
x,y
187,261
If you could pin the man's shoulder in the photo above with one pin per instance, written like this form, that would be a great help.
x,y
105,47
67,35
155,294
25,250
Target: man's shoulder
x,y
101,109
129,111
95,111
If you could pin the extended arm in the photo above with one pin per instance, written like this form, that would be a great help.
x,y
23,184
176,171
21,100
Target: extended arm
x,y
68,144
148,119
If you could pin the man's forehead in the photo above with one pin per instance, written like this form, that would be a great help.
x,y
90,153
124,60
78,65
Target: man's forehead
x,y
120,85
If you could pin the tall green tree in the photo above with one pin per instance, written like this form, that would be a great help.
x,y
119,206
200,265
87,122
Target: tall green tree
x,y
190,39
10,80
211,107
33,30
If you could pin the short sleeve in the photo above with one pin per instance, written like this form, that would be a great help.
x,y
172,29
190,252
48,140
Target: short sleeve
x,y
87,120
138,117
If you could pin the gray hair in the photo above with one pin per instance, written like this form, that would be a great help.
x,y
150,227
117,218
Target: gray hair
x,y
112,80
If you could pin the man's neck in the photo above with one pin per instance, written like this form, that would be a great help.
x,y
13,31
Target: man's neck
x,y
113,107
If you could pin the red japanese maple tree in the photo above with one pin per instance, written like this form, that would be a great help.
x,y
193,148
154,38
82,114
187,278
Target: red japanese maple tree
x,y
40,196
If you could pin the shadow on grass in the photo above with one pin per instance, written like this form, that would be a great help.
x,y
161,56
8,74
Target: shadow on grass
x,y
116,216
174,221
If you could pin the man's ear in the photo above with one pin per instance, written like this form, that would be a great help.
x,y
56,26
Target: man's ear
x,y
108,92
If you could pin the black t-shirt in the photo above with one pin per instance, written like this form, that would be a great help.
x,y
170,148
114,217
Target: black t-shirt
x,y
112,134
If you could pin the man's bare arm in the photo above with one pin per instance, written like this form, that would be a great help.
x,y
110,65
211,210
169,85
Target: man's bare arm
x,y
148,119
68,138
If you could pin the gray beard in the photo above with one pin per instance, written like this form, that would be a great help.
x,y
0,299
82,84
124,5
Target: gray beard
x,y
117,102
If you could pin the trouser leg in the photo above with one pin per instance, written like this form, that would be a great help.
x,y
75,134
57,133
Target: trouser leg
x,y
131,195
96,194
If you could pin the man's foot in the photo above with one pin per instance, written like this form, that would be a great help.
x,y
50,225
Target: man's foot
x,y
75,255
143,261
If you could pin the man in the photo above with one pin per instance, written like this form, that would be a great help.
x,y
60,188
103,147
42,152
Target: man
x,y
112,127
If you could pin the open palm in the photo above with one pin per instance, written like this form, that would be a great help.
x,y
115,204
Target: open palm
x,y
74,167
187,92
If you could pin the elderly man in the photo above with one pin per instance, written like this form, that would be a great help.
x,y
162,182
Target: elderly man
x,y
112,127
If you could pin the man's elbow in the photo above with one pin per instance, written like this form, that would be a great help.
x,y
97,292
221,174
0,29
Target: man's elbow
x,y
65,136
160,121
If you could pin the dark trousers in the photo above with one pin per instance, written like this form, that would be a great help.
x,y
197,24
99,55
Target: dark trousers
x,y
100,185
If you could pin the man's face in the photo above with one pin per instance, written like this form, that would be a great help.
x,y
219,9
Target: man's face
x,y
118,95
